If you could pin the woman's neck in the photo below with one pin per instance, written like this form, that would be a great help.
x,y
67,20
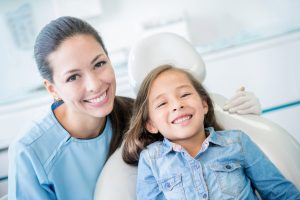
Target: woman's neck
x,y
79,126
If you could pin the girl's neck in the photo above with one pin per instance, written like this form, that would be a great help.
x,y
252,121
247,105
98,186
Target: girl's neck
x,y
79,126
193,145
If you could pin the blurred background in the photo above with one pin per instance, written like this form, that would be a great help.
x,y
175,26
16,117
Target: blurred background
x,y
255,44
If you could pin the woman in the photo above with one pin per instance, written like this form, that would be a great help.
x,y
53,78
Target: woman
x,y
62,154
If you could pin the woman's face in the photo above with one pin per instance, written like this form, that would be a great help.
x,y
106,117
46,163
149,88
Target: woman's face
x,y
83,76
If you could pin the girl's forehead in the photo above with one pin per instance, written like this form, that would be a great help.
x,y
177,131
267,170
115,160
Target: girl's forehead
x,y
173,77
169,81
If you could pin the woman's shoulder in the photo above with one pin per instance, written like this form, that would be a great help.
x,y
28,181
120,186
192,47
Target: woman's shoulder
x,y
39,134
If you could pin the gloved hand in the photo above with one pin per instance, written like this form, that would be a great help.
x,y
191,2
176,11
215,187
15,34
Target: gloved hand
x,y
243,102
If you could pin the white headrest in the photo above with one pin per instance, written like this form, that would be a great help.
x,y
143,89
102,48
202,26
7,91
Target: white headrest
x,y
159,49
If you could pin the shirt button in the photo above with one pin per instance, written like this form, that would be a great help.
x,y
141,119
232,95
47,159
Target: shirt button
x,y
204,196
228,167
168,185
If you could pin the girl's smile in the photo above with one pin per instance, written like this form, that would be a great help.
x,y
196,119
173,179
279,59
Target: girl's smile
x,y
182,119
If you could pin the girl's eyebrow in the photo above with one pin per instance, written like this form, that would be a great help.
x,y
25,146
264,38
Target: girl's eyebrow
x,y
177,88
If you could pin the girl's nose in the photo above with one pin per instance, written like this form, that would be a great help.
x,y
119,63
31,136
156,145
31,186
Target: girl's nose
x,y
177,106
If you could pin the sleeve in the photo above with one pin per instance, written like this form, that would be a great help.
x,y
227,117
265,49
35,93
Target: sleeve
x,y
147,186
26,177
264,175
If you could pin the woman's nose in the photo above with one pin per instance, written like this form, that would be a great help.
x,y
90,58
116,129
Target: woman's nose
x,y
92,83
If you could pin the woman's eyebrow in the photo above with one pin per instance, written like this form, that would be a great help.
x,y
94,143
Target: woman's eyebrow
x,y
96,58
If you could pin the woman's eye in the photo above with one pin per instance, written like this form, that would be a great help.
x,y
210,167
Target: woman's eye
x,y
99,64
185,94
72,78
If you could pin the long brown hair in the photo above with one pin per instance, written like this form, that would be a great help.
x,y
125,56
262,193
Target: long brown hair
x,y
120,120
137,137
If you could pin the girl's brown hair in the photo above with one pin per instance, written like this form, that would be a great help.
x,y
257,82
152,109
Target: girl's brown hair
x,y
137,137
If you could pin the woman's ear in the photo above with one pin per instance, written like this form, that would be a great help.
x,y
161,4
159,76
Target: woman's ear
x,y
151,128
51,89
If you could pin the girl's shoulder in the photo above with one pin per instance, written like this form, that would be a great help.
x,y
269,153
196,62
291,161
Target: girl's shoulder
x,y
154,150
231,136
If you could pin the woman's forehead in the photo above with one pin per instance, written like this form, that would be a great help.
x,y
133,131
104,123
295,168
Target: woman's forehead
x,y
75,52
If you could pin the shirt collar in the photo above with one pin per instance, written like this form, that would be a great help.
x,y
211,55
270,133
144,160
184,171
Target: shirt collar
x,y
213,137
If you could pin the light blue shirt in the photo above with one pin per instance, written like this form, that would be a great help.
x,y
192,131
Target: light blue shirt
x,y
225,167
47,163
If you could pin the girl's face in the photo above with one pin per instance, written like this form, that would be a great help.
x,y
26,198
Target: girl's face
x,y
175,108
83,76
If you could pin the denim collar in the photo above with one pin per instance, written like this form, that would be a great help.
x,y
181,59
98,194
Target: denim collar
x,y
213,138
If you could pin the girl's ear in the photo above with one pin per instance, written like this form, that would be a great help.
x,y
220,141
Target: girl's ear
x,y
151,128
205,106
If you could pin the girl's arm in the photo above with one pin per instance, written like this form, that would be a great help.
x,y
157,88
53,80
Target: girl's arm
x,y
24,178
265,177
147,187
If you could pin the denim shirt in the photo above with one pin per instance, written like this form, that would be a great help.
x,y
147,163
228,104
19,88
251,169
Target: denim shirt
x,y
227,166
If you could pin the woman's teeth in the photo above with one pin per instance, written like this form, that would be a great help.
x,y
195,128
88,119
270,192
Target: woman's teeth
x,y
99,99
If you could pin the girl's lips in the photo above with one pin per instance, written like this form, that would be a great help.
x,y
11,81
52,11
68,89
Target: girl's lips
x,y
181,119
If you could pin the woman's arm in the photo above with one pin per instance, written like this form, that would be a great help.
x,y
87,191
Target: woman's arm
x,y
265,177
146,186
25,178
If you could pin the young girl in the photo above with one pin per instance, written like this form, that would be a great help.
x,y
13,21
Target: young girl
x,y
182,152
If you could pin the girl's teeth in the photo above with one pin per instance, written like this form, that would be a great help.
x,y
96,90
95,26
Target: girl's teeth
x,y
177,121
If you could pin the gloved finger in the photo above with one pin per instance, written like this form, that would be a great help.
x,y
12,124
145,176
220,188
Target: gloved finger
x,y
250,110
239,99
242,88
243,106
238,94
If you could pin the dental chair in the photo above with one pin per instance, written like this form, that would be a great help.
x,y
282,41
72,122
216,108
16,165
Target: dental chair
x,y
117,180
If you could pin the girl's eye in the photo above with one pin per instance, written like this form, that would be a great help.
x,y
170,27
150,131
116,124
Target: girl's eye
x,y
185,94
100,64
161,104
72,78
